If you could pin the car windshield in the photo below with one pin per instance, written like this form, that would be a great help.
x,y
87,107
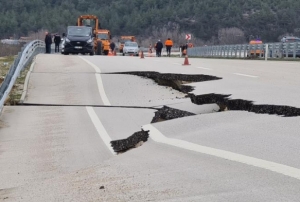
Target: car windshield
x,y
124,40
131,44
103,36
79,31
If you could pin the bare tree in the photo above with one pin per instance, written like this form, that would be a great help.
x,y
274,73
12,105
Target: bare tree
x,y
37,35
231,35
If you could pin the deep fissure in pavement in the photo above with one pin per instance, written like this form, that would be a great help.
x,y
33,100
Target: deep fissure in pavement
x,y
135,140
168,113
70,105
175,81
225,103
138,138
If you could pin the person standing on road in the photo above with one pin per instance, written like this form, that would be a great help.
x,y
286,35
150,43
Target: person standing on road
x,y
112,46
57,40
159,47
150,49
48,42
156,49
169,44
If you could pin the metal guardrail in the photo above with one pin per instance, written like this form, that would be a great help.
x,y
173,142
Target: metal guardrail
x,y
21,61
272,50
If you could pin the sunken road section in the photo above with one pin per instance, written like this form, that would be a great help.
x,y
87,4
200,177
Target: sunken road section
x,y
175,81
243,105
138,138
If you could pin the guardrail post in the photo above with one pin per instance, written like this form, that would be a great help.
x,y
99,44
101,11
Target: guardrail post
x,y
180,52
287,50
294,50
267,52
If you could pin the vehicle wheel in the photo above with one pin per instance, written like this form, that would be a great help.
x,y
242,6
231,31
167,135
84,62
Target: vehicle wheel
x,y
66,53
106,52
123,54
99,48
92,53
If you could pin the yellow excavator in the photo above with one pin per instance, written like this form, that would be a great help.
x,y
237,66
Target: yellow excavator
x,y
102,37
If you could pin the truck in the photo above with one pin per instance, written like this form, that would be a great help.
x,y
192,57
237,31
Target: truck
x,y
123,40
102,37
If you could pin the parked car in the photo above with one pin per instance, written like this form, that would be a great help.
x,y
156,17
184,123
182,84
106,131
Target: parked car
x,y
130,48
78,40
290,52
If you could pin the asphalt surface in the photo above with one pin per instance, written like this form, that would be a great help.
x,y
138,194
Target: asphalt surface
x,y
57,147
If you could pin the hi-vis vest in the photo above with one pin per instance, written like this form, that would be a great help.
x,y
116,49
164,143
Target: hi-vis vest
x,y
169,43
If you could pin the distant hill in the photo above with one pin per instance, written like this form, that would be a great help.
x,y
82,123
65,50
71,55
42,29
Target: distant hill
x,y
268,19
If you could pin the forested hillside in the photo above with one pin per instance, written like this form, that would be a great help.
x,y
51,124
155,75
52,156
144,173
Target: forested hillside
x,y
203,18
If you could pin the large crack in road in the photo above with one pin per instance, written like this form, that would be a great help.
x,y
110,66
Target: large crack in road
x,y
138,138
176,81
168,113
225,103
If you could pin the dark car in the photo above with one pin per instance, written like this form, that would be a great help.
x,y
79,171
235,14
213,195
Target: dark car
x,y
290,52
79,39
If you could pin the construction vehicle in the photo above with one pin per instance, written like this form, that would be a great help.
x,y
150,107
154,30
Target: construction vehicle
x,y
255,52
102,37
123,40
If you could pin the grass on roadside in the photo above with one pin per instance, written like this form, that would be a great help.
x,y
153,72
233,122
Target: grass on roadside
x,y
17,90
5,63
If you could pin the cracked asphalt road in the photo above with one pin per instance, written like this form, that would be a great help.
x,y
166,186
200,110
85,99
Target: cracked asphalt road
x,y
60,153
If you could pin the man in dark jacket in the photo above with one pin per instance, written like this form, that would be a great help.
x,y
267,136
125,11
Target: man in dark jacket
x,y
48,42
159,47
57,40
112,46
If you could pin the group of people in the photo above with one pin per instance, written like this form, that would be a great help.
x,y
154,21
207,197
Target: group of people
x,y
49,39
169,44
159,46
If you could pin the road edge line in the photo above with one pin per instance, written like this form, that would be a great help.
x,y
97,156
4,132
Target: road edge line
x,y
157,136
246,75
25,87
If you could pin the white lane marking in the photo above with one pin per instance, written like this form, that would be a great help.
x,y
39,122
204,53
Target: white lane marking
x,y
204,68
99,82
157,136
101,90
252,76
97,70
100,129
